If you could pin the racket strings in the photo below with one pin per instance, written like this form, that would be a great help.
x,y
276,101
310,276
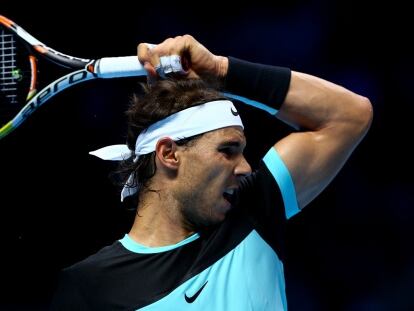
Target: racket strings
x,y
9,73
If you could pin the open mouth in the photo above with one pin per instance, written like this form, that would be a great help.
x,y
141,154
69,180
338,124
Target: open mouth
x,y
229,196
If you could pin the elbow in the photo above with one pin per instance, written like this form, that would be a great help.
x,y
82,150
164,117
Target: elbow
x,y
365,113
361,116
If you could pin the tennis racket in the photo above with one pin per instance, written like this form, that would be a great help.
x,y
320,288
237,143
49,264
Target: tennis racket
x,y
19,83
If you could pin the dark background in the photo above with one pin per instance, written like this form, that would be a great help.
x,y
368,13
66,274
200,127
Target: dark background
x,y
351,249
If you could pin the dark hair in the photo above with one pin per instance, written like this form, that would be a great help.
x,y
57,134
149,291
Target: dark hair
x,y
157,102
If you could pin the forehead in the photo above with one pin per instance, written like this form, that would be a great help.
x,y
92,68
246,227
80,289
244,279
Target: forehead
x,y
231,133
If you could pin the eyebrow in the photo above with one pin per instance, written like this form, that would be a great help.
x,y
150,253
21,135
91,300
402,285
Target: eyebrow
x,y
231,143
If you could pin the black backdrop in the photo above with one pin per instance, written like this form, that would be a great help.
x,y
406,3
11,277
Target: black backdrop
x,y
351,249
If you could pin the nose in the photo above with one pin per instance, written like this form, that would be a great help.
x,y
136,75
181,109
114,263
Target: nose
x,y
242,168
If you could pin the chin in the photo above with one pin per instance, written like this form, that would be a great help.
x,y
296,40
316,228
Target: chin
x,y
218,217
207,222
199,221
221,216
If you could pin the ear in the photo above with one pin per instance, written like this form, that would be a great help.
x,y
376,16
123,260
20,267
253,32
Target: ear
x,y
165,151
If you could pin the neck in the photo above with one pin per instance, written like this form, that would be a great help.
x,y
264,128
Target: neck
x,y
158,221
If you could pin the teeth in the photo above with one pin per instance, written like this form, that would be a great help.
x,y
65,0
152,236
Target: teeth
x,y
229,191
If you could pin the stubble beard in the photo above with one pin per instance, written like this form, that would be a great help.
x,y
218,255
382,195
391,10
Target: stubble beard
x,y
196,216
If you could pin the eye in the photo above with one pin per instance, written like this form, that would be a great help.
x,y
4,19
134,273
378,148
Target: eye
x,y
227,151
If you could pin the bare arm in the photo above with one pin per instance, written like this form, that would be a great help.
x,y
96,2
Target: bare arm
x,y
332,119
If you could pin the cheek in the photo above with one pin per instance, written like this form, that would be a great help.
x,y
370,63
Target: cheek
x,y
206,173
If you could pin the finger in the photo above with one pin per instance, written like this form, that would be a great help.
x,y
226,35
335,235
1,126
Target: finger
x,y
147,55
143,52
166,58
150,69
166,47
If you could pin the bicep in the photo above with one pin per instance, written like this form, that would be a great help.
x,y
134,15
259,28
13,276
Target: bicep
x,y
313,159
334,120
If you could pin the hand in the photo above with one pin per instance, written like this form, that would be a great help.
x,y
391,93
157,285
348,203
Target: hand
x,y
197,61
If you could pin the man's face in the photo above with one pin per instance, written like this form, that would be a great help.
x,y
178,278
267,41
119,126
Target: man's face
x,y
210,171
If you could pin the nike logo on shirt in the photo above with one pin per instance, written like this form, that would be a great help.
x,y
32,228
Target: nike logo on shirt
x,y
194,297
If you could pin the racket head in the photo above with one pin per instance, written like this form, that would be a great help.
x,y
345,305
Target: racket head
x,y
18,72
18,65
19,83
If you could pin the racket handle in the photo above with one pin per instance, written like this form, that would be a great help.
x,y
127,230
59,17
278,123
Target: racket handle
x,y
117,67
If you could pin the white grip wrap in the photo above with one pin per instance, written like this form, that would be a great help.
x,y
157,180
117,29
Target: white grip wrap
x,y
116,67
129,66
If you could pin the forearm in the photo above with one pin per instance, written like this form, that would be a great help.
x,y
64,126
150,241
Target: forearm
x,y
302,100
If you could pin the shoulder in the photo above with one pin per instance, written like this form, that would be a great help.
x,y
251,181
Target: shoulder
x,y
91,266
272,184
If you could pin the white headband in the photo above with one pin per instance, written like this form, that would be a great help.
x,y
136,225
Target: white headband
x,y
183,124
